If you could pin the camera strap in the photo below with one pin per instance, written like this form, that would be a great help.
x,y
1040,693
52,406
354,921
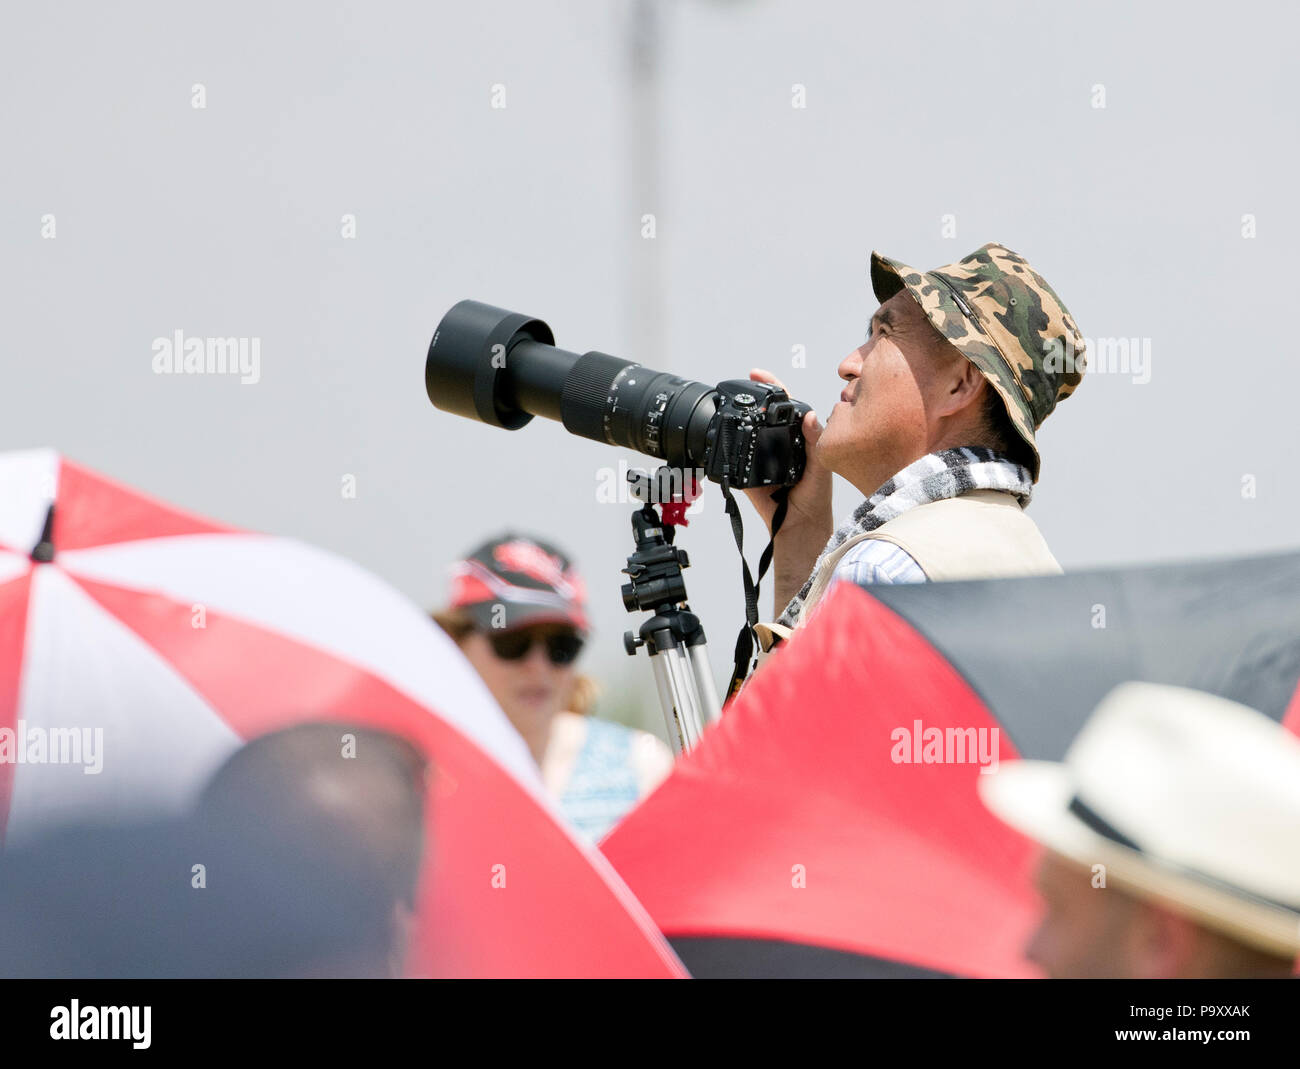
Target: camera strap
x,y
745,640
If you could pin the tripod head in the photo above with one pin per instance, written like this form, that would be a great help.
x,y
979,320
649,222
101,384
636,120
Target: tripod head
x,y
655,566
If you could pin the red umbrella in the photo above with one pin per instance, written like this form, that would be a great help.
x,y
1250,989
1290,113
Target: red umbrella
x,y
849,754
791,842
140,645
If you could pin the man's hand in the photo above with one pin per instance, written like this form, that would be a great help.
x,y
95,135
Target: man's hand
x,y
808,524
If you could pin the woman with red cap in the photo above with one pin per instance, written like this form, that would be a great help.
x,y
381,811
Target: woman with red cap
x,y
517,612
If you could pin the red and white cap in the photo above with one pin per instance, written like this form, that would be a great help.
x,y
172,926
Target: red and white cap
x,y
517,581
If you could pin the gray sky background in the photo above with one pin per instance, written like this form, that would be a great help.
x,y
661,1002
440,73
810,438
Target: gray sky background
x,y
226,221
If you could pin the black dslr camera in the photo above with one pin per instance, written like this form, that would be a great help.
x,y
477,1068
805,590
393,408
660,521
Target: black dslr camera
x,y
756,436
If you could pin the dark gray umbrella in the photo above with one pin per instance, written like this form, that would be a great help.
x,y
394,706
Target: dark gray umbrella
x,y
818,771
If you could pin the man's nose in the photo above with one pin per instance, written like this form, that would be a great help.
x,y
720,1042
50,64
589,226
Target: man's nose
x,y
851,366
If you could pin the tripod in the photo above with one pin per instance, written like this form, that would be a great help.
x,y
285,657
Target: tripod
x,y
673,636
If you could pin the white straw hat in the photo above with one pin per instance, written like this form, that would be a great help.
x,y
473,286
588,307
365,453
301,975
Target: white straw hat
x,y
1185,797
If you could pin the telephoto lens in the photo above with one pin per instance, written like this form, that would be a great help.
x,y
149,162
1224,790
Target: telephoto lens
x,y
503,368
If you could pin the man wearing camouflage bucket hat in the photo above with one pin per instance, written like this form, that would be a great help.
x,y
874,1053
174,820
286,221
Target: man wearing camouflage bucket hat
x,y
937,428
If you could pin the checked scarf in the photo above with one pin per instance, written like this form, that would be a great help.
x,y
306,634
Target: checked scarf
x,y
936,476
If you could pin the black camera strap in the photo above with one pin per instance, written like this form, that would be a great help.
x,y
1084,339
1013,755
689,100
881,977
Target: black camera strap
x,y
746,639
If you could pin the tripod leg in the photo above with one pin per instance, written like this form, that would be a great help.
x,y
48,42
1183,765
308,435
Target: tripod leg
x,y
704,684
675,679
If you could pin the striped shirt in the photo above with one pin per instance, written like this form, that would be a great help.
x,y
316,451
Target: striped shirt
x,y
873,560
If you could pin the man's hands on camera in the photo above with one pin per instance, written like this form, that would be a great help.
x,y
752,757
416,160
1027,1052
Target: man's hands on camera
x,y
808,524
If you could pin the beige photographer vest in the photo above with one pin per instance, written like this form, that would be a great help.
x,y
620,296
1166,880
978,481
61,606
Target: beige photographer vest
x,y
983,534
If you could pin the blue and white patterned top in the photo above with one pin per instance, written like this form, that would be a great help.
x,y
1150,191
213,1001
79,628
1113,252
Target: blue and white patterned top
x,y
603,785
873,560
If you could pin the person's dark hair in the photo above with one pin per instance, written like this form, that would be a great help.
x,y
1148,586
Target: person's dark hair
x,y
1000,433
322,826
355,792
293,864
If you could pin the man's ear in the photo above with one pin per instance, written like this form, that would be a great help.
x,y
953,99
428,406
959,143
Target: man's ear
x,y
966,386
1163,943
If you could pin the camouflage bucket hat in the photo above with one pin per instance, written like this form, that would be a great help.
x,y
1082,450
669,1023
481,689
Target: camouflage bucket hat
x,y
1003,317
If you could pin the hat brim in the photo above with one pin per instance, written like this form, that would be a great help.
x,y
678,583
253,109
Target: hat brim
x,y
1034,798
488,616
890,277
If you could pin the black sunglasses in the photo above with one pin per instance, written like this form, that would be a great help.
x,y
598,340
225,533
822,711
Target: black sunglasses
x,y
562,647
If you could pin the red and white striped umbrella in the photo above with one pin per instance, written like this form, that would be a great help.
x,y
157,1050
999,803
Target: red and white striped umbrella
x,y
150,643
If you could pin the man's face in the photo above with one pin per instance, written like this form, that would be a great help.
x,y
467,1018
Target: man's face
x,y
1092,932
897,382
